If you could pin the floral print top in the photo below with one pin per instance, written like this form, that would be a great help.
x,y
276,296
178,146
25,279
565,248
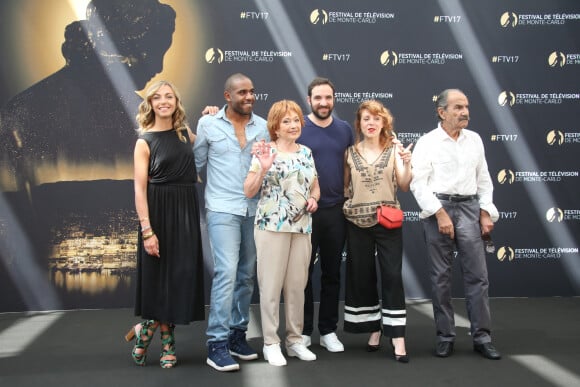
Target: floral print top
x,y
284,191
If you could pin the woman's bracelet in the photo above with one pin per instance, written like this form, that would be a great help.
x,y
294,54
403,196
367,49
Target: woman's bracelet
x,y
148,235
143,229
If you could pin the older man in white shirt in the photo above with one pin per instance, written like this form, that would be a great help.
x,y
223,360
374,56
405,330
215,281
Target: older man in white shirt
x,y
452,185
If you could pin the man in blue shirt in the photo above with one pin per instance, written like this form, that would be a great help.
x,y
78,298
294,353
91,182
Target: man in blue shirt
x,y
223,144
327,137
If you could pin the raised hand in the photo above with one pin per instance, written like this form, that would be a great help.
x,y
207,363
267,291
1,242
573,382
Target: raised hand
x,y
264,153
404,153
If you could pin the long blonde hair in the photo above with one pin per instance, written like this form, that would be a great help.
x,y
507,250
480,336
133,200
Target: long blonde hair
x,y
146,116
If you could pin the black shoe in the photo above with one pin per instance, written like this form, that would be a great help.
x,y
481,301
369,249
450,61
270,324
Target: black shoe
x,y
444,349
375,347
487,350
400,358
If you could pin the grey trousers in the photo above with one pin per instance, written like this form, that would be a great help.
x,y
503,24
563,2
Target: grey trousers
x,y
470,252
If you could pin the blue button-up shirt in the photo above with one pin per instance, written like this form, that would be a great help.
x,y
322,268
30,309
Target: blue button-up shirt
x,y
217,148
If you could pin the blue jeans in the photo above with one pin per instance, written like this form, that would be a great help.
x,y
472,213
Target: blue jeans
x,y
234,258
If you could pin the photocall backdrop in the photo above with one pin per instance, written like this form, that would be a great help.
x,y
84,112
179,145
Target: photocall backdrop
x,y
69,88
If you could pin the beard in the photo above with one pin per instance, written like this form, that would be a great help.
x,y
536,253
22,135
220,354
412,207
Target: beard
x,y
242,109
321,116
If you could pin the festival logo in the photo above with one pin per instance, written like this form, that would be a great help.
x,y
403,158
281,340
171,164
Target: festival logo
x,y
392,58
509,98
509,253
554,214
217,55
389,58
214,55
506,176
560,59
511,19
557,59
558,215
508,19
506,98
319,16
505,253
555,137
322,17
558,137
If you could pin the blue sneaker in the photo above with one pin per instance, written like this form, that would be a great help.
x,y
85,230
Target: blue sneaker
x,y
239,346
218,356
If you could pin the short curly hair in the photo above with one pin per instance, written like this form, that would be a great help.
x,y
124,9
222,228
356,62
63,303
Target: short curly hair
x,y
278,111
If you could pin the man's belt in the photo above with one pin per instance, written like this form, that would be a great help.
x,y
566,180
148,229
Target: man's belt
x,y
455,198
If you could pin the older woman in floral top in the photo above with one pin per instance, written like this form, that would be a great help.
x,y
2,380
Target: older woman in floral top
x,y
284,171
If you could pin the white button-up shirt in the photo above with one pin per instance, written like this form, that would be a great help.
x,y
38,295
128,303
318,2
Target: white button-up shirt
x,y
444,165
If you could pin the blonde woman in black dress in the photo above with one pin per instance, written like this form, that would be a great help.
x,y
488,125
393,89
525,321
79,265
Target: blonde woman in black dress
x,y
169,254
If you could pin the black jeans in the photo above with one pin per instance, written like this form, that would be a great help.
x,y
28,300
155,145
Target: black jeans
x,y
328,235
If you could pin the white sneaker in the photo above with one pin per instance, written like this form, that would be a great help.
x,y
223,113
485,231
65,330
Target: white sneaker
x,y
306,340
300,351
331,343
273,354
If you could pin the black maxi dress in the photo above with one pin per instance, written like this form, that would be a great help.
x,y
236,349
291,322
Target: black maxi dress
x,y
170,288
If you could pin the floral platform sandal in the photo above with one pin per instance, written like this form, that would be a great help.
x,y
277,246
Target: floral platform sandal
x,y
142,333
167,359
